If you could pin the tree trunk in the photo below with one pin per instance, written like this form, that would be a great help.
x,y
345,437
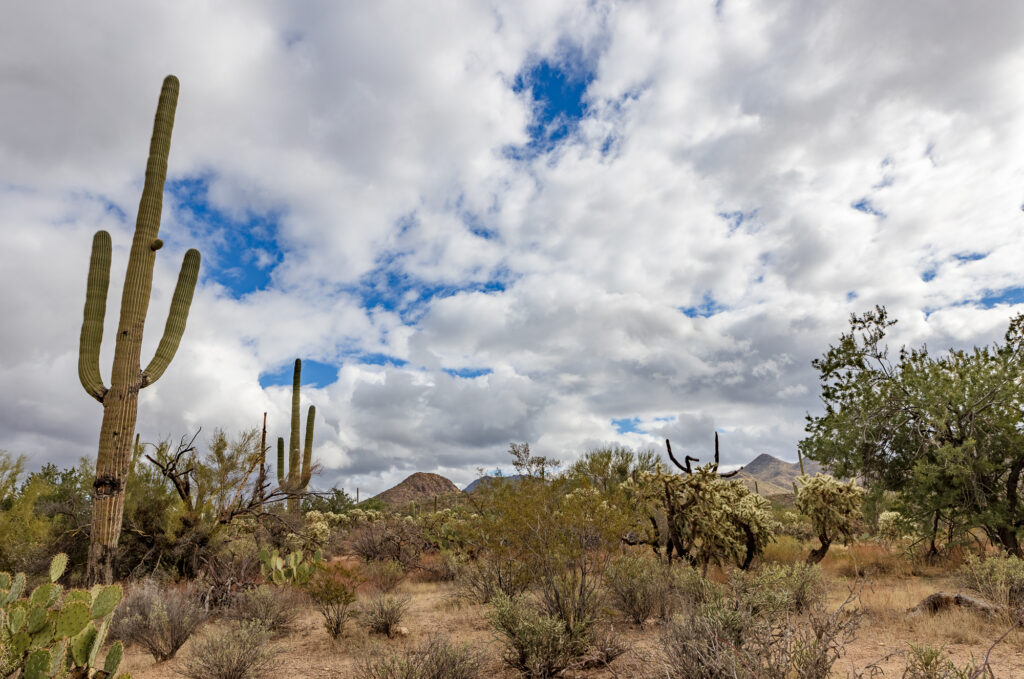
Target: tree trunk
x,y
818,554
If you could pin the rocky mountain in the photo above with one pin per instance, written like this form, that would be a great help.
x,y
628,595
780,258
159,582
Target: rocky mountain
x,y
484,479
420,487
774,476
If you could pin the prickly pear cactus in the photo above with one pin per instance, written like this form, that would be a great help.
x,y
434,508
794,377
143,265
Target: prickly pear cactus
x,y
56,633
293,569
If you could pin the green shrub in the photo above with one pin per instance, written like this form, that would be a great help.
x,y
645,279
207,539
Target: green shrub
x,y
332,590
384,613
775,589
1000,580
276,608
438,658
639,586
239,652
927,662
537,645
158,619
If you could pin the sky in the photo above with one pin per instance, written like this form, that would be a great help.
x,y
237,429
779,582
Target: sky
x,y
571,224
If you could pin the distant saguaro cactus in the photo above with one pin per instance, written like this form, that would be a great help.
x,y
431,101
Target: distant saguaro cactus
x,y
296,480
120,400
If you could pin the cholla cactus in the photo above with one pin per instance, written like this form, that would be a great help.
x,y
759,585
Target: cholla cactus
x,y
53,633
710,519
832,506
893,526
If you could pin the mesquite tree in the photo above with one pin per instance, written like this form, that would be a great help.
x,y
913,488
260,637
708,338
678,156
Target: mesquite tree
x,y
120,399
945,431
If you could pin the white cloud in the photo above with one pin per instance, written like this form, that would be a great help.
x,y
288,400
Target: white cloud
x,y
378,134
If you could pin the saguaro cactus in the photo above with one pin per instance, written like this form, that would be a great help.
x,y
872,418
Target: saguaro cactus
x,y
296,480
120,400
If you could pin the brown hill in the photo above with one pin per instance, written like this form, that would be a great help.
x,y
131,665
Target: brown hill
x,y
774,476
420,487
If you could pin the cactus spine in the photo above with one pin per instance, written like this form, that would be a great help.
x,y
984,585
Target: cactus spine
x,y
120,400
297,479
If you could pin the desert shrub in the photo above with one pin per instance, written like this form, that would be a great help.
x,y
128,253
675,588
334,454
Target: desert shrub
x,y
390,538
384,613
448,566
928,662
723,640
238,652
332,589
481,580
277,608
438,658
537,645
775,589
383,575
1000,580
691,589
638,586
158,619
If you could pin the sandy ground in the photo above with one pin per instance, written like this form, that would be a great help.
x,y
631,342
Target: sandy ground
x,y
885,632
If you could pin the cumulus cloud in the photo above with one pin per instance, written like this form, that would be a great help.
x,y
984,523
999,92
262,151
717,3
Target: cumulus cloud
x,y
574,225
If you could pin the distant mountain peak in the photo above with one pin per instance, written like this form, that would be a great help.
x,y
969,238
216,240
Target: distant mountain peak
x,y
418,487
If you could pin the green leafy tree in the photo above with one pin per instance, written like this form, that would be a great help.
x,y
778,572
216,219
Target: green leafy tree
x,y
945,432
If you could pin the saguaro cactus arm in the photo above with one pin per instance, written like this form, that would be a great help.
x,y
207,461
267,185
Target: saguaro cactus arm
x,y
293,442
92,321
280,462
307,453
176,318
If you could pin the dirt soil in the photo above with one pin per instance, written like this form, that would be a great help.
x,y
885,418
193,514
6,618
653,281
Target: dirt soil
x,y
885,633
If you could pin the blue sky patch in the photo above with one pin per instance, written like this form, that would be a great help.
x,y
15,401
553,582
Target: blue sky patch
x,y
468,373
557,88
864,205
246,251
627,425
928,275
1014,295
969,256
736,218
314,373
388,287
707,307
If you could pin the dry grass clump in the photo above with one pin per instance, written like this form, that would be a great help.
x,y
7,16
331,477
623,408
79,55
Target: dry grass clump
x,y
158,619
438,658
276,608
384,613
237,652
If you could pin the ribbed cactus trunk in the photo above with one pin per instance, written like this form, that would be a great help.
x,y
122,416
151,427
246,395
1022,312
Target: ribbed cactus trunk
x,y
120,400
296,479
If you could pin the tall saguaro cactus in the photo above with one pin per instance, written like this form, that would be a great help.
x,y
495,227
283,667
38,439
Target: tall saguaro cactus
x,y
120,400
296,480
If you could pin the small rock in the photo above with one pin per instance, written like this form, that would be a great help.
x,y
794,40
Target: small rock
x,y
402,632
